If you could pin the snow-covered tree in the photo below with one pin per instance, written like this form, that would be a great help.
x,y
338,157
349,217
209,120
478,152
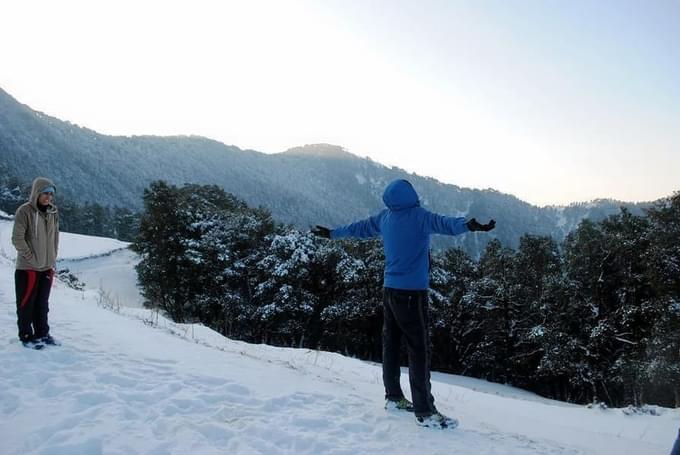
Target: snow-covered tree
x,y
451,318
664,274
285,303
353,319
490,299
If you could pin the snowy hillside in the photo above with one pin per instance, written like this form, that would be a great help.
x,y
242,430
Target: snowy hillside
x,y
304,186
72,247
128,381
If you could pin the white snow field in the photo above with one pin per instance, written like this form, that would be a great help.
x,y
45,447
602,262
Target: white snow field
x,y
128,381
112,273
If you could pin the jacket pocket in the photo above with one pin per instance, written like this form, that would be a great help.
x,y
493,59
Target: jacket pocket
x,y
32,261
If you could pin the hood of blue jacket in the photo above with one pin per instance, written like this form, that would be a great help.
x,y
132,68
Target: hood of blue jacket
x,y
400,195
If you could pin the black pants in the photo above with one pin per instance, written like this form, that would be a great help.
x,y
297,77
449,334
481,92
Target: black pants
x,y
33,294
406,314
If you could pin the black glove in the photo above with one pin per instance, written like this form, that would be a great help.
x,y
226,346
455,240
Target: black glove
x,y
473,225
322,232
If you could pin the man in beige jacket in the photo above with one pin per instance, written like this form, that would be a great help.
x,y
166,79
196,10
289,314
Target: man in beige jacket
x,y
36,239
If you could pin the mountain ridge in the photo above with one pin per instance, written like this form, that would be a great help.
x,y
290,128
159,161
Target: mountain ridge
x,y
303,186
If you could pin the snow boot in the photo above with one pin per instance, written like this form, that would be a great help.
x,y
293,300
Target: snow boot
x,y
33,344
438,421
401,404
48,340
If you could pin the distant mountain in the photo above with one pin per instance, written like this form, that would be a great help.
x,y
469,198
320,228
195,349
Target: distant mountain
x,y
313,184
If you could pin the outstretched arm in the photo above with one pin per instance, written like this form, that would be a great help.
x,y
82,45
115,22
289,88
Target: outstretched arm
x,y
448,225
363,229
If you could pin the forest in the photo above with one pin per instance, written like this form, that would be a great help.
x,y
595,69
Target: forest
x,y
592,319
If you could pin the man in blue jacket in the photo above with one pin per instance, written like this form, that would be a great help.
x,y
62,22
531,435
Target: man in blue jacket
x,y
405,228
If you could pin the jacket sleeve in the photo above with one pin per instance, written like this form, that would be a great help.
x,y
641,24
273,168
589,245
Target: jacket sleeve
x,y
21,224
364,229
447,225
56,236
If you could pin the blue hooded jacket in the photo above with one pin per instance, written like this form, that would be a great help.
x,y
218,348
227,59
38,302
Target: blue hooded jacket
x,y
405,228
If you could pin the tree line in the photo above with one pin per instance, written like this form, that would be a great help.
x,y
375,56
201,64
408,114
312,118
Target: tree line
x,y
595,318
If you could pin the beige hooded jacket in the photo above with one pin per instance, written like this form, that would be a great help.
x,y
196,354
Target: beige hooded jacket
x,y
36,234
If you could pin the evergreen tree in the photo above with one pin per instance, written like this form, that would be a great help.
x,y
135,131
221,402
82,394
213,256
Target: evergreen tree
x,y
589,328
353,320
561,369
452,320
125,224
12,192
491,299
284,302
597,321
537,268
161,246
197,245
627,240
663,367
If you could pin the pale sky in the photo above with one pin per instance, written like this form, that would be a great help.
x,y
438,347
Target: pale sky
x,y
551,101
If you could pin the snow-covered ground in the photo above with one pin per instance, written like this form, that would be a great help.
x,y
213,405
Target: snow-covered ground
x,y
100,263
113,274
71,246
128,381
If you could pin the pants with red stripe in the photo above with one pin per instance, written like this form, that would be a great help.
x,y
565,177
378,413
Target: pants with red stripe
x,y
33,294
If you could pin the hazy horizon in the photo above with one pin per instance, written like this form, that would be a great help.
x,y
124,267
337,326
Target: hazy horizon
x,y
351,152
552,103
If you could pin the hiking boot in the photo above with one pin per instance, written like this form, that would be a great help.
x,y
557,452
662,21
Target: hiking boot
x,y
437,420
401,404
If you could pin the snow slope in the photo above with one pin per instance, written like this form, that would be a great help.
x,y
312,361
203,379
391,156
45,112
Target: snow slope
x,y
127,381
71,246
112,273
100,263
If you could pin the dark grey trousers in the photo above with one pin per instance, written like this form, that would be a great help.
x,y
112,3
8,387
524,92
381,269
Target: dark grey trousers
x,y
406,315
676,447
